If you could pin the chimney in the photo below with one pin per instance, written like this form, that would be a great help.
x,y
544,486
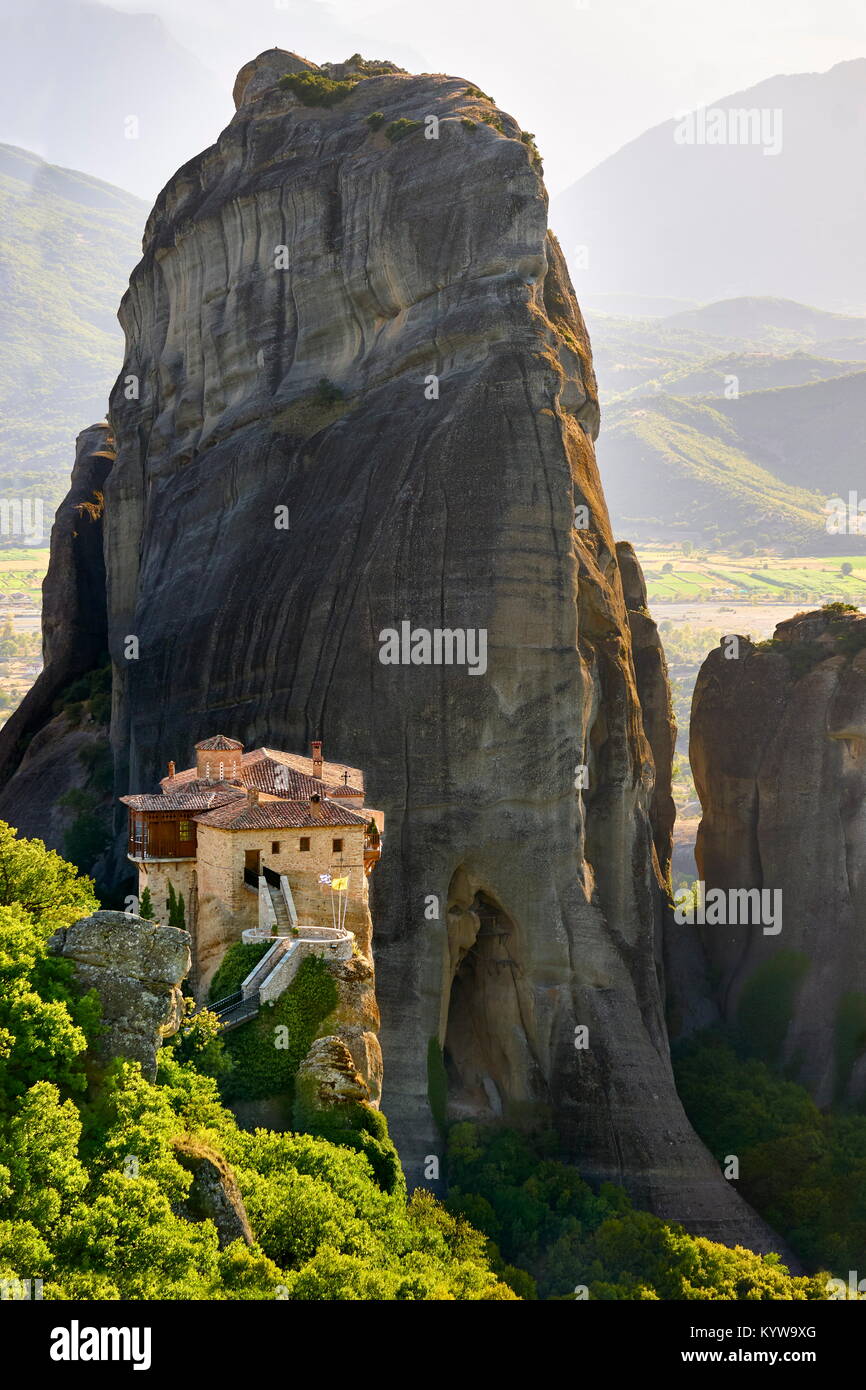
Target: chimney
x,y
171,769
253,795
315,806
317,758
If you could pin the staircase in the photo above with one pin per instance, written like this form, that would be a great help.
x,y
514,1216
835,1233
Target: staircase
x,y
235,1009
281,912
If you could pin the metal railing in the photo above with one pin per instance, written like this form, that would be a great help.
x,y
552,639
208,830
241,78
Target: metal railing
x,y
226,1002
231,1015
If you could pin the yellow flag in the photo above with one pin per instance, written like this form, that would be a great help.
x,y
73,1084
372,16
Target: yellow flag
x,y
339,885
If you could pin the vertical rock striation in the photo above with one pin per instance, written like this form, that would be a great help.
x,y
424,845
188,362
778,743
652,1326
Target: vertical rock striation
x,y
341,322
41,749
778,750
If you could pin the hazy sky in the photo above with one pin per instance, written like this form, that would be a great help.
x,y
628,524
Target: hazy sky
x,y
584,75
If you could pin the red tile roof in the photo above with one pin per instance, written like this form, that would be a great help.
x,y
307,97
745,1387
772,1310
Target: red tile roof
x,y
220,742
270,770
282,781
280,815
201,796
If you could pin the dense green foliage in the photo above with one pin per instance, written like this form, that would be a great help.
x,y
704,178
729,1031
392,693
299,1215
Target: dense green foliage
x,y
354,1126
766,1004
176,908
45,1026
268,1050
90,693
568,1241
315,89
91,1182
41,884
236,964
87,1204
804,1171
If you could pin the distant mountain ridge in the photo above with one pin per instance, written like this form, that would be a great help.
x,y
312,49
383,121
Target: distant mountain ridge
x,y
758,468
67,245
731,422
112,92
698,221
760,316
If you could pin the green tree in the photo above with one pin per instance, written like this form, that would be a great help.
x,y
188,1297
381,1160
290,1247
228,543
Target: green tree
x,y
44,1025
176,908
45,885
145,906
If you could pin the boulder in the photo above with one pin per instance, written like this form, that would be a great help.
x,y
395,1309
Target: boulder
x,y
136,968
328,1078
214,1194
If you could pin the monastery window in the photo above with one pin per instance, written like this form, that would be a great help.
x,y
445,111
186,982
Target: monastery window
x,y
275,846
207,770
337,846
305,842
222,771
185,830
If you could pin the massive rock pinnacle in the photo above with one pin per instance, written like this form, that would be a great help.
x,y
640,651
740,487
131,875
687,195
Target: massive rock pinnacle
x,y
358,393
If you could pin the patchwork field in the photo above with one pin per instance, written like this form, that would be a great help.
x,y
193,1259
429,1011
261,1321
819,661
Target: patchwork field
x,y
21,575
673,577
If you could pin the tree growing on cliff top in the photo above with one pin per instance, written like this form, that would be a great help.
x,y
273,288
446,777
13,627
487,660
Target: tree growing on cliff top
x,y
44,885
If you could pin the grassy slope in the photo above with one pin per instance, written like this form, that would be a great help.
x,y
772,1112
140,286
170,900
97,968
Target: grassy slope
x,y
67,245
671,466
680,459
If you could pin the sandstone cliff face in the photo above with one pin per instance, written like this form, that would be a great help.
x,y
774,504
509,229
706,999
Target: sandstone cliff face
x,y
136,968
355,1021
327,1077
213,1194
778,750
44,753
377,337
654,693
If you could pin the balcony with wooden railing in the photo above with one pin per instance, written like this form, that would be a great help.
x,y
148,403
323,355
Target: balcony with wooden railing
x,y
161,835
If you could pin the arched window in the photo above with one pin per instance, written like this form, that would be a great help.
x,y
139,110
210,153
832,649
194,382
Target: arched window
x,y
222,771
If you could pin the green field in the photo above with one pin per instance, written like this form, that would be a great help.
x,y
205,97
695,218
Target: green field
x,y
675,578
22,572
